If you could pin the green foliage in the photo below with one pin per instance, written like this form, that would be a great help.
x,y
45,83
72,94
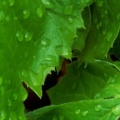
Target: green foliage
x,y
35,36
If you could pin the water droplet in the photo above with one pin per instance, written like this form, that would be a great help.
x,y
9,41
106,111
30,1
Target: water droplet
x,y
48,4
118,16
97,95
109,35
99,25
15,18
68,10
7,18
43,42
1,80
11,2
106,12
2,15
9,102
116,110
15,96
98,108
100,3
34,57
85,66
50,59
61,117
84,113
28,36
20,36
4,2
104,32
77,112
70,20
111,80
26,14
2,115
39,12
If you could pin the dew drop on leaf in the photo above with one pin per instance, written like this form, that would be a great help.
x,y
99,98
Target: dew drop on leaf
x,y
109,35
106,12
116,110
2,115
28,36
100,3
20,36
111,80
104,32
11,2
68,10
4,2
39,12
84,113
77,112
61,117
70,20
1,80
97,95
43,42
99,25
48,4
9,102
7,18
46,42
118,16
98,107
2,15
26,14
15,96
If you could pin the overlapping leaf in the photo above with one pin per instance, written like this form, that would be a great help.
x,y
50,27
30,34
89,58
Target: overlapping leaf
x,y
98,80
32,37
101,109
105,16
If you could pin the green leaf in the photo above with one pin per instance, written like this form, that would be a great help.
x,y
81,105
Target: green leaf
x,y
79,41
104,29
99,79
101,109
32,37
116,47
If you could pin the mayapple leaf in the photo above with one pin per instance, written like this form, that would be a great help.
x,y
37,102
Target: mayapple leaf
x,y
99,79
101,109
105,19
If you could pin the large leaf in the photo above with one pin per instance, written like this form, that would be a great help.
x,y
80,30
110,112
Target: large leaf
x,y
116,47
105,26
33,34
99,79
101,109
79,40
